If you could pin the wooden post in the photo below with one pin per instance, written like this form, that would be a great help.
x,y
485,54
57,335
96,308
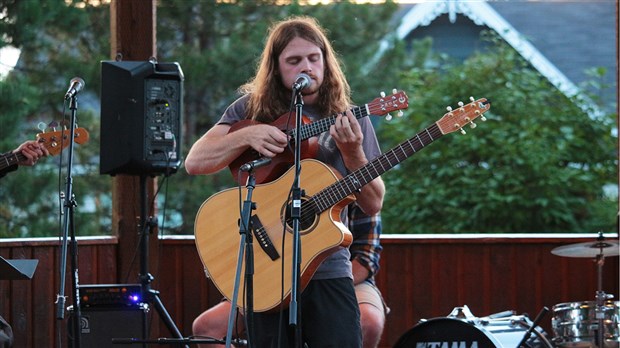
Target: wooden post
x,y
133,31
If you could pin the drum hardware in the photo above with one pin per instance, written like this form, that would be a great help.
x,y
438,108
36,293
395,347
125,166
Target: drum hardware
x,y
462,313
567,331
528,333
464,330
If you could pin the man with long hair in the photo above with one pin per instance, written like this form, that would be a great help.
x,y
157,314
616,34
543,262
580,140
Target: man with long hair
x,y
330,314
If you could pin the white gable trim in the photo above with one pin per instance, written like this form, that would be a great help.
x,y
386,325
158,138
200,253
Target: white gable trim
x,y
482,13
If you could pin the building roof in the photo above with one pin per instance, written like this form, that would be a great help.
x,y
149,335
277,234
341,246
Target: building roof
x,y
561,39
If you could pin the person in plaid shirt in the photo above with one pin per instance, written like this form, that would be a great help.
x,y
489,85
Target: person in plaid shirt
x,y
365,254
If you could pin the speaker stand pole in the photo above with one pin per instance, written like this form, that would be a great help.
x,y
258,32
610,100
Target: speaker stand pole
x,y
150,295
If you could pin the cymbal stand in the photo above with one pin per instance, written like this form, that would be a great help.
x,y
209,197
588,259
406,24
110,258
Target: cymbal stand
x,y
601,298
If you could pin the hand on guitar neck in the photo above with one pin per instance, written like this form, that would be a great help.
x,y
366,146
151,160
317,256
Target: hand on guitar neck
x,y
31,151
47,144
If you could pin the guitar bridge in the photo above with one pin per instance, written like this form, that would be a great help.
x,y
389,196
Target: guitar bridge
x,y
263,238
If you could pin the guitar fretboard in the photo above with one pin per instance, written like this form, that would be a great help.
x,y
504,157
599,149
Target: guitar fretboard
x,y
315,128
353,182
11,159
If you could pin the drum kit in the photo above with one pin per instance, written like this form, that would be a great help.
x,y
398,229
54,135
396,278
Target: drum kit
x,y
574,324
589,323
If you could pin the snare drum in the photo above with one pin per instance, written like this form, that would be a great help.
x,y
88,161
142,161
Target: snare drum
x,y
575,324
452,332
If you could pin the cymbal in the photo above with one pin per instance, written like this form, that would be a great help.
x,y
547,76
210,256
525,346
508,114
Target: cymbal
x,y
588,249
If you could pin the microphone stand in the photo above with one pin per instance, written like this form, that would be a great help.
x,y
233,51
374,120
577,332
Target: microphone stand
x,y
69,228
246,242
294,310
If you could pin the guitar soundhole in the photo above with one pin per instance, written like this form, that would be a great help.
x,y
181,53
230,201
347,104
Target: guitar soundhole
x,y
308,220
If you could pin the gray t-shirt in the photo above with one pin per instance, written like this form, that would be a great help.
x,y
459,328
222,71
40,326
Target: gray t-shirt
x,y
337,265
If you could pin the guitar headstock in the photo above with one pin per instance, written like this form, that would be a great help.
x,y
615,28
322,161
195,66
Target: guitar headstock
x,y
455,120
386,104
56,141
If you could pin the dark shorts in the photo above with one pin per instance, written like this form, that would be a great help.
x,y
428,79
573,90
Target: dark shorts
x,y
329,318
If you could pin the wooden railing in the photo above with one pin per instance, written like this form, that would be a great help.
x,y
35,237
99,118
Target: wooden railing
x,y
421,277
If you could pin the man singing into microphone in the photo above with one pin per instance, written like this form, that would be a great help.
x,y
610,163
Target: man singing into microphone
x,y
298,55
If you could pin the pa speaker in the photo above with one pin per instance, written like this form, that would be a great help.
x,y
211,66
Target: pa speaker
x,y
141,117
100,326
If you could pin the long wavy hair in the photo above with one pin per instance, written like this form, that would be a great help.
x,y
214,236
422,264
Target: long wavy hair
x,y
269,98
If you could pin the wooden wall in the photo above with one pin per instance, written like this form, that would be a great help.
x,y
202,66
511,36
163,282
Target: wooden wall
x,y
421,277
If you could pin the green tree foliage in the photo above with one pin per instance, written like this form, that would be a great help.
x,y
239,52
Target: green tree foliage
x,y
539,164
217,45
58,40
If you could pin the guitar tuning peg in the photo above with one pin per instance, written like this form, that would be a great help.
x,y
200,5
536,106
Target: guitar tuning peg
x,y
449,108
472,125
463,131
399,113
483,118
388,117
461,104
42,126
472,99
382,94
394,91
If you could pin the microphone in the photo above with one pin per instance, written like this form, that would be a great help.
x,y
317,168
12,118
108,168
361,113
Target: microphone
x,y
261,162
302,82
75,86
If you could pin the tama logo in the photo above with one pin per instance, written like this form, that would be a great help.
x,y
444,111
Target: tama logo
x,y
457,344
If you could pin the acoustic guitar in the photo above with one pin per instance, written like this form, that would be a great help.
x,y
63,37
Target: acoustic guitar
x,y
321,230
308,130
54,142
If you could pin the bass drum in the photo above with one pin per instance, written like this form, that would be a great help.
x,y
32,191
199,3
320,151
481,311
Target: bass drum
x,y
575,324
451,332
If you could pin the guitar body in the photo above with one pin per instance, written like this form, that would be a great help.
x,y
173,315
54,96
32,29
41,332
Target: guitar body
x,y
218,239
280,163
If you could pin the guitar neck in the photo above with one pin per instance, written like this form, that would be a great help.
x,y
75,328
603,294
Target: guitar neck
x,y
10,159
351,183
313,129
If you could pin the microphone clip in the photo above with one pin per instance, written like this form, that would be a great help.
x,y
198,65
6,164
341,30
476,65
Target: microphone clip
x,y
250,166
